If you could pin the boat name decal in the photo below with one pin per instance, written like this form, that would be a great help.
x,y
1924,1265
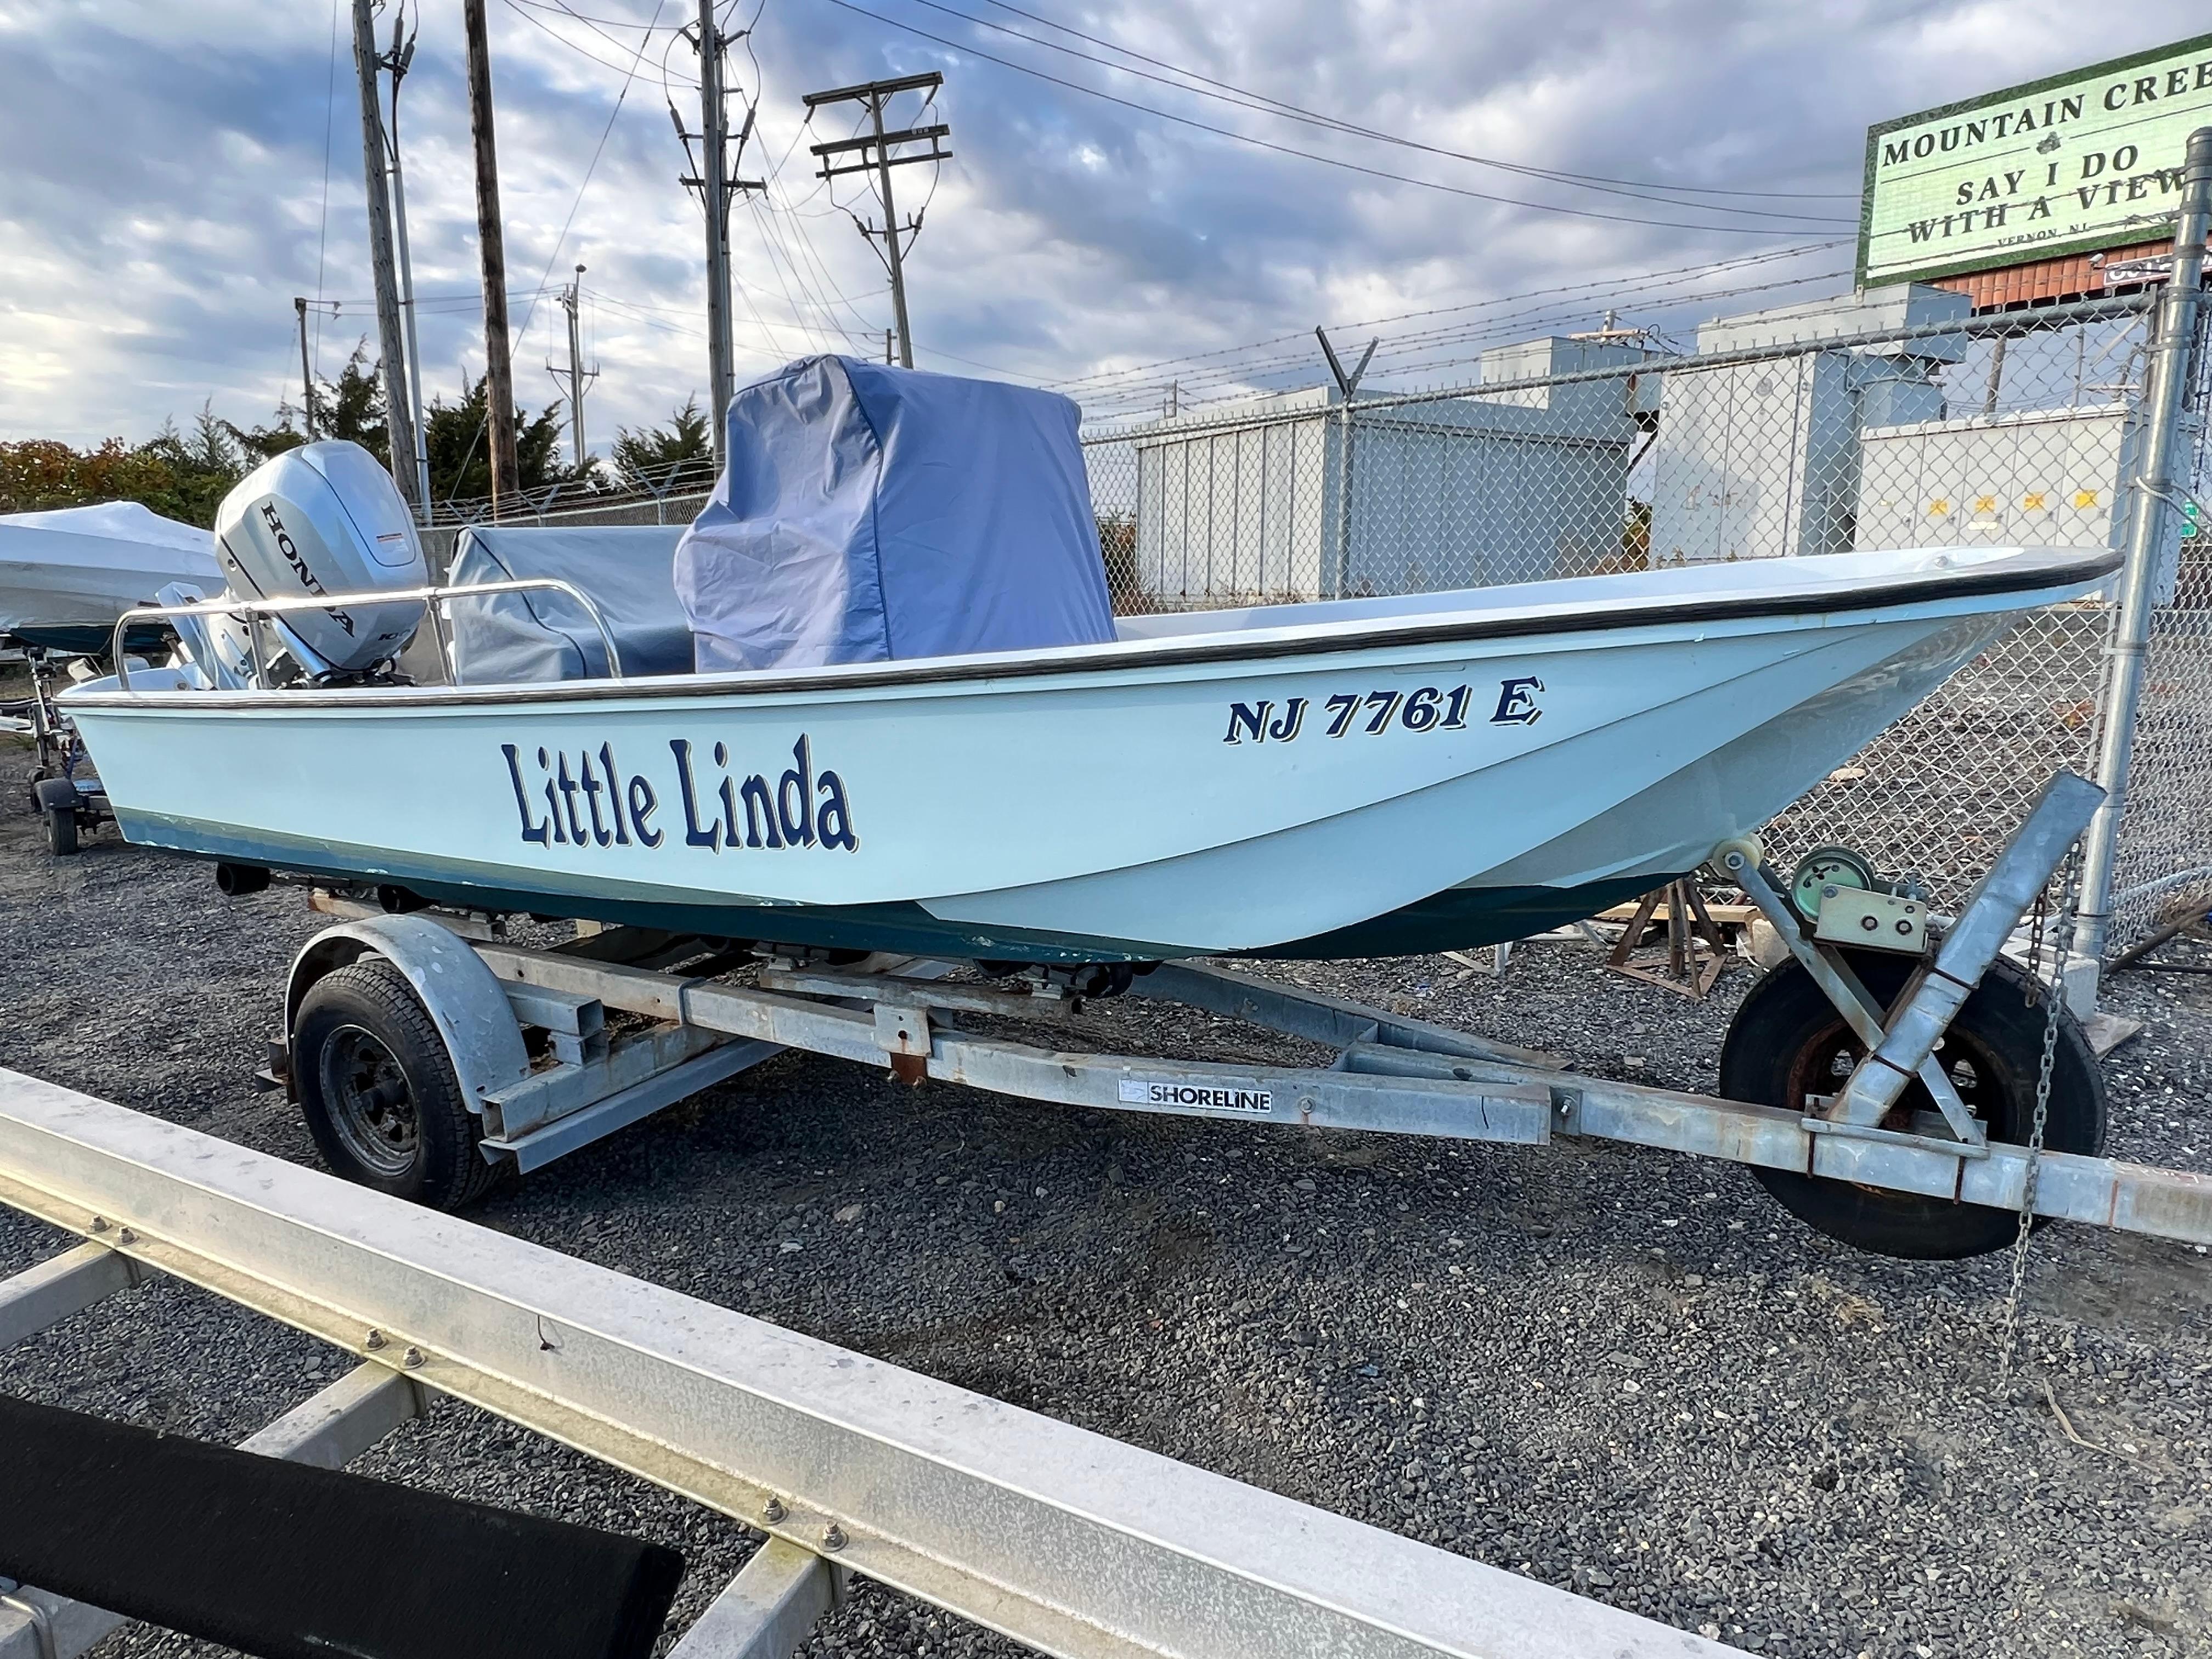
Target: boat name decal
x,y
801,808
1149,1092
290,550
1428,709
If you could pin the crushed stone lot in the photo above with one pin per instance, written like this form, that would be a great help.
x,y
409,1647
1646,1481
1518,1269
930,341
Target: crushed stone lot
x,y
1624,1372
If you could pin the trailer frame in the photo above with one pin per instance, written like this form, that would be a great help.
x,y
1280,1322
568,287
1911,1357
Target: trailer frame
x,y
528,1031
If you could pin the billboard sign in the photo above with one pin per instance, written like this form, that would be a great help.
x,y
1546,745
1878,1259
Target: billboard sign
x,y
2086,160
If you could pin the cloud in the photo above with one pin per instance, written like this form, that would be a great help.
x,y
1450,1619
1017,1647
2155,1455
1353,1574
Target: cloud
x,y
166,197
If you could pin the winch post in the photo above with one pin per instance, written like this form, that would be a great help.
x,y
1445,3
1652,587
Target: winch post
x,y
2033,854
1739,862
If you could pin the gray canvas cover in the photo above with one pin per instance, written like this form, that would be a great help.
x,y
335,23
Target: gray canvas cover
x,y
624,569
869,514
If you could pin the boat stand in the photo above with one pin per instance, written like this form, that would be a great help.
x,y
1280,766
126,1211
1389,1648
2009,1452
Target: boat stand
x,y
1689,923
543,1067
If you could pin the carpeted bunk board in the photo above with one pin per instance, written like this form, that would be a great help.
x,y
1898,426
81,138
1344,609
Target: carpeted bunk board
x,y
292,1562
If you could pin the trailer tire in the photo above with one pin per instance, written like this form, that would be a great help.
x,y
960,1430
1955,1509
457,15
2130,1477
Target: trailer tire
x,y
379,1091
57,801
1788,1041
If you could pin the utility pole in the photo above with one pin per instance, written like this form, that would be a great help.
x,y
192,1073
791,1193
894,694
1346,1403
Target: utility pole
x,y
878,152
306,374
713,173
576,375
716,188
398,426
491,245
398,61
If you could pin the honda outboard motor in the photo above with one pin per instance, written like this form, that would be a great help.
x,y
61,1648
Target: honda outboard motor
x,y
325,519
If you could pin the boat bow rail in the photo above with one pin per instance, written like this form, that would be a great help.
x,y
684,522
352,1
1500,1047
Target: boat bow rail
x,y
1070,1542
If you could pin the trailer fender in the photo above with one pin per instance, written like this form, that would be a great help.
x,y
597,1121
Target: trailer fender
x,y
462,994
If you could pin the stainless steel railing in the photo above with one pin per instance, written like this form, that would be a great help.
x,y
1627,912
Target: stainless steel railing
x,y
255,611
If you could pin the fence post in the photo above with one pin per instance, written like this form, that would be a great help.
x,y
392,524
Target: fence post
x,y
1348,386
2153,486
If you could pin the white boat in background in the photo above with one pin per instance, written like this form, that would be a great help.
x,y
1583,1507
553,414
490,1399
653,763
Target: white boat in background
x,y
66,575
1358,777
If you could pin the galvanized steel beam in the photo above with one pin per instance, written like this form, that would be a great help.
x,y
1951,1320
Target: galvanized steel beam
x,y
766,1612
1310,1097
1065,1541
64,1285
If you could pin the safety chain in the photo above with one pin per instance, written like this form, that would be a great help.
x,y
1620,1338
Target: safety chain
x,y
2054,996
2035,944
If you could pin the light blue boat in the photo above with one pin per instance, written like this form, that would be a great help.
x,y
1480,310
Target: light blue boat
x,y
1360,777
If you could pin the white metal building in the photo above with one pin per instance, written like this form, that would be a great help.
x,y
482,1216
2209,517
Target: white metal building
x,y
1248,504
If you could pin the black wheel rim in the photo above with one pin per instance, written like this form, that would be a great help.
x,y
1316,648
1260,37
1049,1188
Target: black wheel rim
x,y
369,1104
1983,1084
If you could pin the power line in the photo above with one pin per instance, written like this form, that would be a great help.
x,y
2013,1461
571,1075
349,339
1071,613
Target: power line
x,y
518,8
1289,149
603,22
1691,190
1242,98
323,231
1704,268
1111,402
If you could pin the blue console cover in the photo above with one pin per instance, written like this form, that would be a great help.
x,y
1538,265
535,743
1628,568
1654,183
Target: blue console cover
x,y
868,514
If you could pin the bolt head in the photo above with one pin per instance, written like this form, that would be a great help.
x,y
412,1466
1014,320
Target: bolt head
x,y
773,1510
833,1537
99,1223
1868,923
411,1359
376,1340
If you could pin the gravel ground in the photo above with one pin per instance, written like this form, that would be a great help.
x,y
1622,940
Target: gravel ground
x,y
1624,1372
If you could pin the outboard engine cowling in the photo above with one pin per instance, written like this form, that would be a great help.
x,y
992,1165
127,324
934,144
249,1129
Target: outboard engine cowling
x,y
326,519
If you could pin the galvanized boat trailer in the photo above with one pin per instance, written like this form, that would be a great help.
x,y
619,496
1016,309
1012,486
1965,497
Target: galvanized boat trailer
x,y
64,791
525,1041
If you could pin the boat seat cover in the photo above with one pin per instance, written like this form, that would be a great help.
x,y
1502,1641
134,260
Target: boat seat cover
x,y
71,571
625,570
868,514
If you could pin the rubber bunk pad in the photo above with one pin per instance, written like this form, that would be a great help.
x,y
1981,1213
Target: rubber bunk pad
x,y
292,1562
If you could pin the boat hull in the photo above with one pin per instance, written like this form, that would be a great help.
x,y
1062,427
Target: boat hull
x,y
1380,798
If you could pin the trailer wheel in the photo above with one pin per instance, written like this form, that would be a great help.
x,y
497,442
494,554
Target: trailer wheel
x,y
1787,1042
57,799
379,1092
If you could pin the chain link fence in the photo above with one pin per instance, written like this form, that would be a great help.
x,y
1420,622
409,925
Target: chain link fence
x,y
1895,420
2163,868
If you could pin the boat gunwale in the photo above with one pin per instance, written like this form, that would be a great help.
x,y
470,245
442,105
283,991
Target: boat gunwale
x,y
2021,576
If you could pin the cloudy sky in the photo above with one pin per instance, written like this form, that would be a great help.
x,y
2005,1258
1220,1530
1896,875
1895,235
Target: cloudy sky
x,y
177,172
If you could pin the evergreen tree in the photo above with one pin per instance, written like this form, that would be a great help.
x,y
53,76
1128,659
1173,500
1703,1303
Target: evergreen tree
x,y
646,460
352,406
460,453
